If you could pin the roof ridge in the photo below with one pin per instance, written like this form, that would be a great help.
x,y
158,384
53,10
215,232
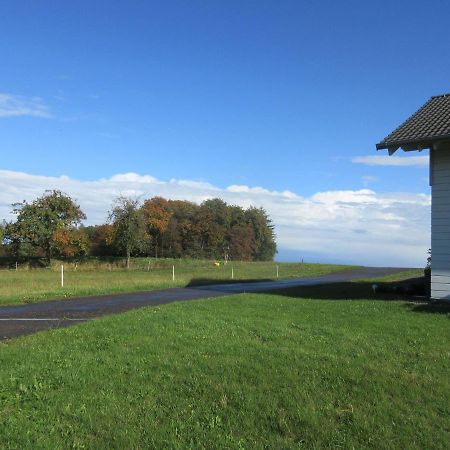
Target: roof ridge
x,y
441,95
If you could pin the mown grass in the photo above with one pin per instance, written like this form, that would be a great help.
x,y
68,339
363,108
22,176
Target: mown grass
x,y
33,285
248,371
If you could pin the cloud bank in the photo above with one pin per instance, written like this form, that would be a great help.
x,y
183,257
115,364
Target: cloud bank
x,y
386,160
361,227
18,105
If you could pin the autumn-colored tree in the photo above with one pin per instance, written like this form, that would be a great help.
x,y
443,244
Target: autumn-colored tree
x,y
265,245
176,228
101,239
242,242
70,243
157,215
182,234
217,230
39,222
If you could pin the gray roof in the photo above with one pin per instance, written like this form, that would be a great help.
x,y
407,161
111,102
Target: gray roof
x,y
429,124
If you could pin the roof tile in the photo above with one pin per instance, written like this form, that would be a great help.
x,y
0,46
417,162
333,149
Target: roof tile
x,y
431,122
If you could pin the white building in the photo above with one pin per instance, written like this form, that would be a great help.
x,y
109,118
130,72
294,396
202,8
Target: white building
x,y
429,128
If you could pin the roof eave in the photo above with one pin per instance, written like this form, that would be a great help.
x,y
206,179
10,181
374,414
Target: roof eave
x,y
411,145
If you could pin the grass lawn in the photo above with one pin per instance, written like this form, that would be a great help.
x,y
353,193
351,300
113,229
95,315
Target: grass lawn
x,y
33,285
285,370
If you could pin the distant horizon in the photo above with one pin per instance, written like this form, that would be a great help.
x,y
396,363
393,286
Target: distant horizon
x,y
286,257
310,228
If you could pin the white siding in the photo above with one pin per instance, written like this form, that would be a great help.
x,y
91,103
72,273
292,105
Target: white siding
x,y
440,223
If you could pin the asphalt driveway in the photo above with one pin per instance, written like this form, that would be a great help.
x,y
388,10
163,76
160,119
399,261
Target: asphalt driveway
x,y
27,319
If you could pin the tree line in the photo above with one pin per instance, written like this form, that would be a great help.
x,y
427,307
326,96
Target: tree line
x,y
51,226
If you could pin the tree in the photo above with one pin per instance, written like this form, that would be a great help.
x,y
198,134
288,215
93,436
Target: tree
x,y
213,222
172,239
157,216
70,243
2,233
265,245
100,239
242,242
128,226
182,234
3,246
41,223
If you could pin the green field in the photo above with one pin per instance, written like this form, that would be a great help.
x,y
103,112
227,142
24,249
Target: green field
x,y
93,278
286,370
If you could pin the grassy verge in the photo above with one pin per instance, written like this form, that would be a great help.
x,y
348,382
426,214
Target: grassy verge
x,y
248,371
33,285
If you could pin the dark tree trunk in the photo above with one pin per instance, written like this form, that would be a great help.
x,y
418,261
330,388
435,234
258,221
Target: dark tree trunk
x,y
48,254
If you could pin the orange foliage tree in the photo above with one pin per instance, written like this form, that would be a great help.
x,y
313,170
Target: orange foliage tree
x,y
70,243
157,214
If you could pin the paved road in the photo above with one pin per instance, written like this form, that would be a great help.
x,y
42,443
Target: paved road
x,y
27,319
346,275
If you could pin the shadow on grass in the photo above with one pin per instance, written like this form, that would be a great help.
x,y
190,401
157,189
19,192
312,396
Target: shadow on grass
x,y
412,291
356,290
434,307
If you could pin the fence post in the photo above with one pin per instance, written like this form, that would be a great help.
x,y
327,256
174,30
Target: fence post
x,y
232,273
62,275
173,272
277,270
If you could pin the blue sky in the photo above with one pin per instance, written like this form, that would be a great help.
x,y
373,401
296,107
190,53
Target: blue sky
x,y
283,96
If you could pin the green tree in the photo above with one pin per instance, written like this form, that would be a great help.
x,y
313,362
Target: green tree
x,y
213,222
128,224
182,236
41,223
172,239
3,245
265,245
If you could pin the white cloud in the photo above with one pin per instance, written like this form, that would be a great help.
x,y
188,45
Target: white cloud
x,y
386,160
360,226
238,188
17,105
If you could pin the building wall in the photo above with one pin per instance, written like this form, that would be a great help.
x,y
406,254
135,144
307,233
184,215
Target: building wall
x,y
440,222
